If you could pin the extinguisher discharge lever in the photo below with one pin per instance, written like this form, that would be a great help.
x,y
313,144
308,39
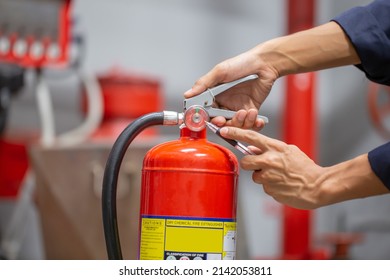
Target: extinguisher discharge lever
x,y
207,98
239,146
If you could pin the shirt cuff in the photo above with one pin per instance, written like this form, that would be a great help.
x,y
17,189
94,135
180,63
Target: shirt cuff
x,y
379,159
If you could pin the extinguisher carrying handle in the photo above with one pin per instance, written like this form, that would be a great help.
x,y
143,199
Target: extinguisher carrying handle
x,y
111,173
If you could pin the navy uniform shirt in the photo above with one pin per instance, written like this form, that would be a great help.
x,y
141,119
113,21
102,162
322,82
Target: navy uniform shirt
x,y
368,28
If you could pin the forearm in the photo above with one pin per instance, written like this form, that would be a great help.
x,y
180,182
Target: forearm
x,y
349,180
322,47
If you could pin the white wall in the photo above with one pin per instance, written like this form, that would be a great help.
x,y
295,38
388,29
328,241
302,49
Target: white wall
x,y
175,40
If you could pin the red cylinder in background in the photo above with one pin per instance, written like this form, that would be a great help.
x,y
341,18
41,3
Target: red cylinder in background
x,y
126,96
188,200
129,96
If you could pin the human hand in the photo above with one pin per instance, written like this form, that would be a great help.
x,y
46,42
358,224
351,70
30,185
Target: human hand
x,y
286,173
245,98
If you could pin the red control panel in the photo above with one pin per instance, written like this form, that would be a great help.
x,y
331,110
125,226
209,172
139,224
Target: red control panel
x,y
35,33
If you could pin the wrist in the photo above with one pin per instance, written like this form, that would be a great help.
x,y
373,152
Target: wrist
x,y
272,56
266,61
349,180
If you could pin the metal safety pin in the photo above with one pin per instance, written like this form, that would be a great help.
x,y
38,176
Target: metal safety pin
x,y
239,146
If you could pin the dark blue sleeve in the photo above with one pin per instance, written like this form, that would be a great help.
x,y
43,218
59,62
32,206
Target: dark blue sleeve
x,y
368,28
379,159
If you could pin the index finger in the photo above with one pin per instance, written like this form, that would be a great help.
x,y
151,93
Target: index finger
x,y
249,136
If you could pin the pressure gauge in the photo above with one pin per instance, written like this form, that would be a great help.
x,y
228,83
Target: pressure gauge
x,y
195,118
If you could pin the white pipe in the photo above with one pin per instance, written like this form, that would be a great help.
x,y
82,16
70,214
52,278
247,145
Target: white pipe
x,y
94,113
45,110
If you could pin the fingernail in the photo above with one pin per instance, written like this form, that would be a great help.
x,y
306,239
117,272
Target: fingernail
x,y
259,123
188,92
197,88
224,130
252,117
241,117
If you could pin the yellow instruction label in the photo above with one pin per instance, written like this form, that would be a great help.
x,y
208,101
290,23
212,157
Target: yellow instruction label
x,y
152,241
187,239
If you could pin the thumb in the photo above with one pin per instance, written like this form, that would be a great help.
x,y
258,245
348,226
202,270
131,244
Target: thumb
x,y
212,78
195,90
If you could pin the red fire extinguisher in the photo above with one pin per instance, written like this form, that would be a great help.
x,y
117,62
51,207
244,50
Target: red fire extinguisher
x,y
189,186
188,193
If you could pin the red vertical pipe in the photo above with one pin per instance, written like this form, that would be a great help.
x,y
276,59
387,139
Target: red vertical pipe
x,y
64,30
299,129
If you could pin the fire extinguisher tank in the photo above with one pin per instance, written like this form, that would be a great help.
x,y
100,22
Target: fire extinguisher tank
x,y
188,200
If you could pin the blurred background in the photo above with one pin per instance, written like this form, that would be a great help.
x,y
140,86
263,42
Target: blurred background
x,y
74,73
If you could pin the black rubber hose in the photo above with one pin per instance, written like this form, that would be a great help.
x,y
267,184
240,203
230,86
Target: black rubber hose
x,y
110,180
